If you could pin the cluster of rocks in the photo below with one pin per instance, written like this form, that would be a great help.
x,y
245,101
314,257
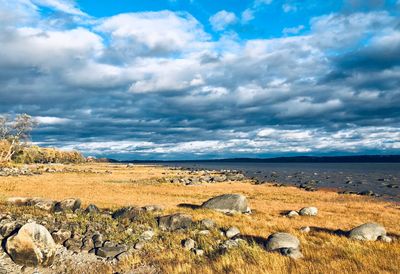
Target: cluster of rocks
x,y
194,177
16,171
305,211
66,227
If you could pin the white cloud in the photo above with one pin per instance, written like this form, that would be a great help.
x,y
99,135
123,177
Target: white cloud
x,y
222,19
67,6
247,16
289,8
294,30
48,120
163,31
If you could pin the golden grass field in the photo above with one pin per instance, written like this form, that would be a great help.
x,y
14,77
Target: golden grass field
x,y
324,252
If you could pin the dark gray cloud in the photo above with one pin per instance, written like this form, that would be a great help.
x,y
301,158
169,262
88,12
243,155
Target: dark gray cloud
x,y
171,91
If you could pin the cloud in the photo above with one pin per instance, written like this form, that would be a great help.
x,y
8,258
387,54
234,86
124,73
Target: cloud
x,y
294,30
157,85
45,120
289,8
66,6
222,19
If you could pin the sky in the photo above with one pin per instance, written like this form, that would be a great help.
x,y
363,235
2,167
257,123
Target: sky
x,y
204,79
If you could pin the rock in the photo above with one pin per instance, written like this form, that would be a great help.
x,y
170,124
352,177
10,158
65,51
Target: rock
x,y
175,222
308,211
292,253
188,244
110,251
367,232
151,208
147,235
280,240
385,239
198,252
305,229
127,213
207,223
87,244
232,232
366,193
46,205
139,245
73,245
92,209
67,204
61,236
228,203
204,232
32,246
292,214
9,228
230,244
18,201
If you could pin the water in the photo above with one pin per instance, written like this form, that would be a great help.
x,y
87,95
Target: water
x,y
381,178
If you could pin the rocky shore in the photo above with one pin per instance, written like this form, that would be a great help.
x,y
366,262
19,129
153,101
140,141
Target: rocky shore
x,y
61,237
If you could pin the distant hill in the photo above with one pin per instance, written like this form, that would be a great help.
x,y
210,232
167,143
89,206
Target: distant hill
x,y
298,159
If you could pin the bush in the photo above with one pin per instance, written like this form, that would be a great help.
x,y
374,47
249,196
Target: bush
x,y
36,154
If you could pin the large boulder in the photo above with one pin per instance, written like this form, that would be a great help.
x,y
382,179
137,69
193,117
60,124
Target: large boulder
x,y
67,204
368,232
284,243
228,203
175,222
280,240
32,246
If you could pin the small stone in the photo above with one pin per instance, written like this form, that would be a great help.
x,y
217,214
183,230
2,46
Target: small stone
x,y
139,245
308,211
189,244
305,229
207,223
204,232
175,222
61,236
92,209
385,239
198,252
232,232
110,251
292,253
292,214
147,235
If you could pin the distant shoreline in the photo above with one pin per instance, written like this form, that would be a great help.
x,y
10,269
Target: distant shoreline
x,y
295,159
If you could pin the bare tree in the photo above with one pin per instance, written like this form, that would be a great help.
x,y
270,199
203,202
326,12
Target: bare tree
x,y
14,134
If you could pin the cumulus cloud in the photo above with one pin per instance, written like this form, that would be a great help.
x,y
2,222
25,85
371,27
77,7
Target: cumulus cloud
x,y
157,85
222,19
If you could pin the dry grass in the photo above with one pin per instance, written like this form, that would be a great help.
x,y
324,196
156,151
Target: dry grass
x,y
324,251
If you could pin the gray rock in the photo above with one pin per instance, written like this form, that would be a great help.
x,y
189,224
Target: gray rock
x,y
280,240
198,252
67,204
305,229
175,222
385,239
189,244
207,223
151,208
110,251
139,245
204,232
92,209
8,228
367,232
127,212
61,236
292,253
308,211
146,235
232,232
228,203
32,246
292,214
46,205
